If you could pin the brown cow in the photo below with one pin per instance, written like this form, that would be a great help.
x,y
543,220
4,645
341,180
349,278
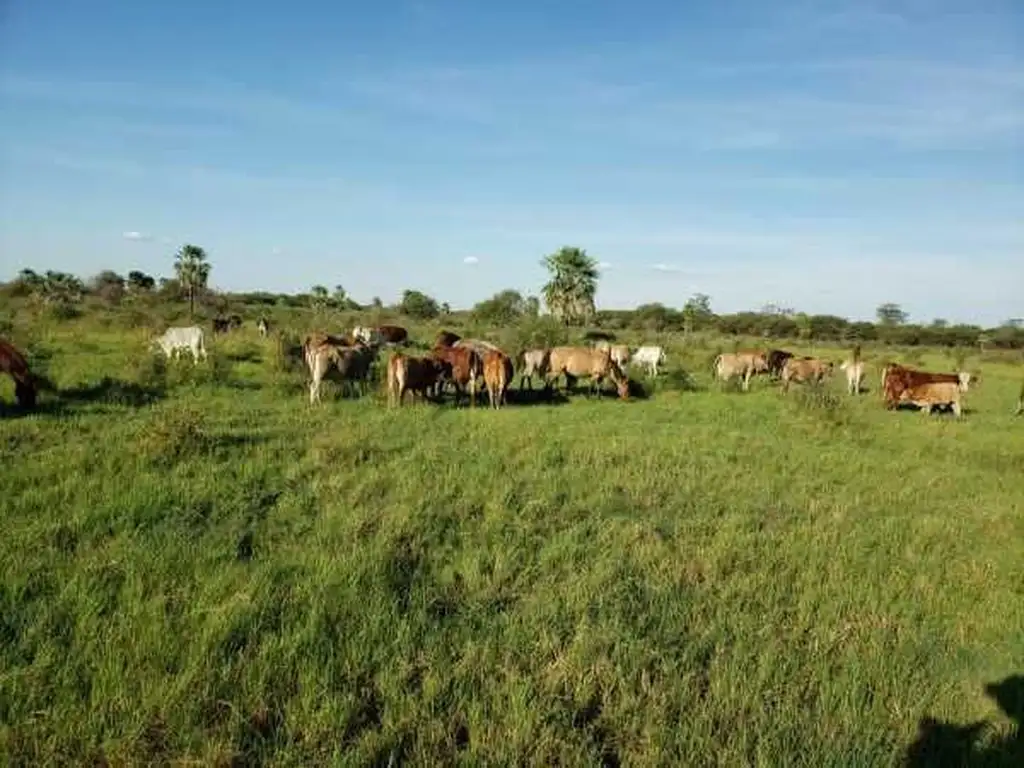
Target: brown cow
x,y
743,364
446,339
319,338
498,374
805,369
896,378
393,334
413,374
573,362
12,362
466,367
930,394
777,361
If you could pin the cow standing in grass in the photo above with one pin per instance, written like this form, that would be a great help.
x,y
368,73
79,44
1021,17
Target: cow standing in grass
x,y
805,370
416,374
534,362
896,378
465,367
348,365
650,357
13,363
854,375
745,365
498,374
174,340
597,364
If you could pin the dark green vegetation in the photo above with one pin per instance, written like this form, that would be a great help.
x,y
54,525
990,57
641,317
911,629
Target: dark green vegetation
x,y
198,565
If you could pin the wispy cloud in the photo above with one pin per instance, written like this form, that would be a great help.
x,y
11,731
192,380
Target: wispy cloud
x,y
140,237
662,267
604,265
471,260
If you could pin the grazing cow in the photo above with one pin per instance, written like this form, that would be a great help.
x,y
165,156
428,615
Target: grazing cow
x,y
415,374
854,375
498,374
534,362
393,334
619,353
13,363
174,340
573,362
349,365
465,366
221,325
777,361
651,357
805,369
743,364
263,326
930,394
446,339
896,378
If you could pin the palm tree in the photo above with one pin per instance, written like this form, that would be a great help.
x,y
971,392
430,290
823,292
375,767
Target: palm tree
x,y
570,292
192,270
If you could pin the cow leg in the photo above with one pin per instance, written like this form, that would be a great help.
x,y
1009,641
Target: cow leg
x,y
956,409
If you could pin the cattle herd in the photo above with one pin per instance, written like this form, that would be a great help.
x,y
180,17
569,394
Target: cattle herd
x,y
467,365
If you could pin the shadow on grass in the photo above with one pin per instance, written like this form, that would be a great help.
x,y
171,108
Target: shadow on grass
x,y
948,744
107,391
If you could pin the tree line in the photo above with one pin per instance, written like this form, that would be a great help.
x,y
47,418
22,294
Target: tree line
x,y
569,296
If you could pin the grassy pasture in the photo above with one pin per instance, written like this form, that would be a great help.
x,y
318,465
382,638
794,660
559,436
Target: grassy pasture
x,y
198,566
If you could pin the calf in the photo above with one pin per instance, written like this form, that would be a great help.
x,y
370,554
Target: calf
x,y
174,340
534,362
415,374
13,363
742,364
854,375
573,362
466,367
930,394
806,369
497,376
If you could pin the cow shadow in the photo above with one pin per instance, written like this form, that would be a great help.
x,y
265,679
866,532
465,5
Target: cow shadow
x,y
107,391
542,396
940,744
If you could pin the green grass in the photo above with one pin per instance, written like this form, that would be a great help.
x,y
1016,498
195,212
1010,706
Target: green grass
x,y
197,565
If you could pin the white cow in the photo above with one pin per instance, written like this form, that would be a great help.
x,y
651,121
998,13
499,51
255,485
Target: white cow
x,y
854,375
651,357
176,339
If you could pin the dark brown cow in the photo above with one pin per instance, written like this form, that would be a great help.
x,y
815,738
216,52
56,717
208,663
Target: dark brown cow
x,y
393,334
12,362
777,361
466,368
413,374
897,378
498,374
446,339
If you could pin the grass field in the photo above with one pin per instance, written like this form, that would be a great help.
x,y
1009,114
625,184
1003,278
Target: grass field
x,y
197,565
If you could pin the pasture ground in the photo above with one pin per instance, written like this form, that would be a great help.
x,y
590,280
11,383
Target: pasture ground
x,y
197,565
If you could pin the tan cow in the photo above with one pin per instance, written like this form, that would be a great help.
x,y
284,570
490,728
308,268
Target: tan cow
x,y
896,378
805,369
573,362
744,364
497,376
349,365
854,375
619,353
933,393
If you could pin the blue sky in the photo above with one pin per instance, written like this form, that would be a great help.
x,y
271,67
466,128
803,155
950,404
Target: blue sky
x,y
827,156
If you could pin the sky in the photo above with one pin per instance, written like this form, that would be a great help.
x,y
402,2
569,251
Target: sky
x,y
823,155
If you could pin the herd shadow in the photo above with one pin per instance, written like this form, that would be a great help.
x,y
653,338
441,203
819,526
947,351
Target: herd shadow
x,y
940,744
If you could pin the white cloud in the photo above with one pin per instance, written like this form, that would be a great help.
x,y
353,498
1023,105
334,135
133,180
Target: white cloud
x,y
471,260
666,267
605,265
137,236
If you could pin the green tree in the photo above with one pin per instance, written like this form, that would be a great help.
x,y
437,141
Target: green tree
x,y
697,312
532,306
140,282
193,271
340,297
446,309
504,308
108,285
318,296
572,288
419,305
891,315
